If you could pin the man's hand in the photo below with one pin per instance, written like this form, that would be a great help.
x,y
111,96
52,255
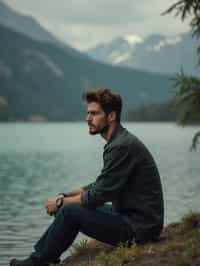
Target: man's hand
x,y
51,205
70,197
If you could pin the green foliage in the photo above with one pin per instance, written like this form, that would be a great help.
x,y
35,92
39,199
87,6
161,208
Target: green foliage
x,y
187,101
118,256
190,253
191,221
188,9
188,88
104,258
187,96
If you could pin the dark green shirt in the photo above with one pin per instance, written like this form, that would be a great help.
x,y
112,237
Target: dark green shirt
x,y
130,180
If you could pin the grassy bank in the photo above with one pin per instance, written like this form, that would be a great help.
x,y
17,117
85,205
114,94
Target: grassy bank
x,y
179,245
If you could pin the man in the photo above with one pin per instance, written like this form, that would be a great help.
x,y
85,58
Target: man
x,y
129,180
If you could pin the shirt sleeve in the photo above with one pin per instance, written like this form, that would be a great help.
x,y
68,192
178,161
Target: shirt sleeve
x,y
111,180
88,186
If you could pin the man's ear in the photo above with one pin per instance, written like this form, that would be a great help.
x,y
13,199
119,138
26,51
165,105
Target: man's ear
x,y
112,116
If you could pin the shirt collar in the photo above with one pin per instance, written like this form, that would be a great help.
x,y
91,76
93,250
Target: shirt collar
x,y
118,129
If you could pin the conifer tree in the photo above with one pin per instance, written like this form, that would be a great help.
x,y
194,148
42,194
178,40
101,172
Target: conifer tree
x,y
187,99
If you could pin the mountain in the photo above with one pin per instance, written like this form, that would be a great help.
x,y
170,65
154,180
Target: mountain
x,y
114,52
30,27
40,81
162,112
156,53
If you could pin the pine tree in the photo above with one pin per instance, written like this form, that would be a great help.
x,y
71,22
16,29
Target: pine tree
x,y
187,99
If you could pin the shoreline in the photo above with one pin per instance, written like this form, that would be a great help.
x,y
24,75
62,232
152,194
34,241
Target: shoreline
x,y
178,246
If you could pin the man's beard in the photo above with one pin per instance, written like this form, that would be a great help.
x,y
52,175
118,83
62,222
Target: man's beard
x,y
100,130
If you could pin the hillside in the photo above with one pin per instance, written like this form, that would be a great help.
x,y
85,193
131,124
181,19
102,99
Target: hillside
x,y
162,112
178,246
40,81
28,26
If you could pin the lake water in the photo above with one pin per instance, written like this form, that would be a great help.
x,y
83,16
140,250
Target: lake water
x,y
39,160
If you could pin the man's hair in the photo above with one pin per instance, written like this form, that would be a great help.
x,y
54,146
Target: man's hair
x,y
108,100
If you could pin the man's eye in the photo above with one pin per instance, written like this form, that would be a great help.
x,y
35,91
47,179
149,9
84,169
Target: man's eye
x,y
92,113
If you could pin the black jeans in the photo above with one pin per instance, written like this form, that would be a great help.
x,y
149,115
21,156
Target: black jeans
x,y
101,224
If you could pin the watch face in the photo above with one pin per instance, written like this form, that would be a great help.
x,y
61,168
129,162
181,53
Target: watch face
x,y
59,202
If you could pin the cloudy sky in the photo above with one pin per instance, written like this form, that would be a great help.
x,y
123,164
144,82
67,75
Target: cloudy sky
x,y
84,23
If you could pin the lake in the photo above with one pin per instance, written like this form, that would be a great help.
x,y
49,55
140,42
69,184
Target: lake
x,y
38,161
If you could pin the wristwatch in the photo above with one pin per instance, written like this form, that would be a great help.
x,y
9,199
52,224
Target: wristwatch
x,y
59,202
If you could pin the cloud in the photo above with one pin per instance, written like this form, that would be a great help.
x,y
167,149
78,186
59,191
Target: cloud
x,y
79,11
84,23
133,39
163,43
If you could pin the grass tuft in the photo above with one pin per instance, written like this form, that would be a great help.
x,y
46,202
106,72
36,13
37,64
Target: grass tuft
x,y
191,251
191,221
118,256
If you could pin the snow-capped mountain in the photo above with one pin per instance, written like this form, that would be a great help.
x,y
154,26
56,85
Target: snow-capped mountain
x,y
117,51
156,53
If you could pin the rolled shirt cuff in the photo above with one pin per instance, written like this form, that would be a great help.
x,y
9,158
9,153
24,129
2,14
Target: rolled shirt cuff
x,y
85,199
88,186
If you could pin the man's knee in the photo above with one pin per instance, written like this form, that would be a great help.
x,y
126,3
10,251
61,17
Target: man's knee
x,y
70,209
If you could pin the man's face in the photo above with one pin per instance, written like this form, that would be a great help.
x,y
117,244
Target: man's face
x,y
96,118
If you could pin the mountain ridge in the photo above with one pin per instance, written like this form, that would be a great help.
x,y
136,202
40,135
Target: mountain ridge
x,y
42,80
156,53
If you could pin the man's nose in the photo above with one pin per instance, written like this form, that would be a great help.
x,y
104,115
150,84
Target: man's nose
x,y
88,117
